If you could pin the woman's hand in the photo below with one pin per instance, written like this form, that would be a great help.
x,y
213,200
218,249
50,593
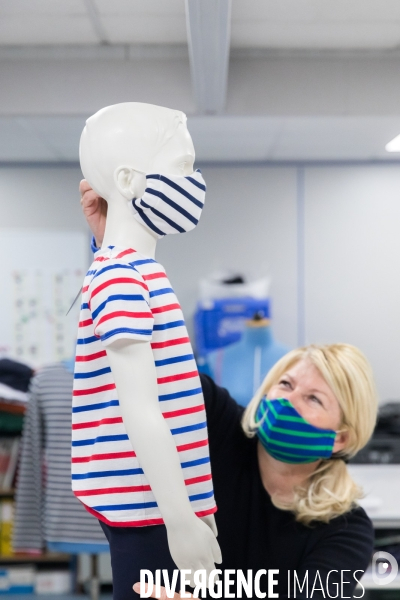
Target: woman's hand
x,y
95,210
163,595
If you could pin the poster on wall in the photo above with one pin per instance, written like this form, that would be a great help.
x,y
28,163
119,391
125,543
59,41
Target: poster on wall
x,y
41,273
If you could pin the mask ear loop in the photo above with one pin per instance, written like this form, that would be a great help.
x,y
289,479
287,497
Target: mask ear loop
x,y
261,421
345,459
336,456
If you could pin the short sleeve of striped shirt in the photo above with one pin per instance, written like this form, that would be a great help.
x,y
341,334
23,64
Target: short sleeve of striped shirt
x,y
119,304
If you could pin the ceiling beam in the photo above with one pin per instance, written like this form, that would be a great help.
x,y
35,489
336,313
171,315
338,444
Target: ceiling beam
x,y
209,27
96,21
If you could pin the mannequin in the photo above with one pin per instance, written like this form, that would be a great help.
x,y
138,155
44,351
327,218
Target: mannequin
x,y
241,367
119,146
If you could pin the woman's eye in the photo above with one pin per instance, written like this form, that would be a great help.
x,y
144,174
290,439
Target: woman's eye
x,y
284,382
315,399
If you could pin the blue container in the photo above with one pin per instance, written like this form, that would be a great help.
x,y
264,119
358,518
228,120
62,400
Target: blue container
x,y
218,323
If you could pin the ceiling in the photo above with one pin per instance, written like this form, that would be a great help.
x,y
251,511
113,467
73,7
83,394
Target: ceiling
x,y
122,28
218,138
311,24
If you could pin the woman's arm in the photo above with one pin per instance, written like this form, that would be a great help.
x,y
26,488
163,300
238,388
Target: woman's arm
x,y
223,412
339,558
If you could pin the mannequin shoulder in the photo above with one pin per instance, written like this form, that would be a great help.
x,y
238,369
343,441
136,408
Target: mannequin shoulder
x,y
112,268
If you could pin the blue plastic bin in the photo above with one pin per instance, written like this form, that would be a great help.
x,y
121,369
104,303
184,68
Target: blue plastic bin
x,y
218,323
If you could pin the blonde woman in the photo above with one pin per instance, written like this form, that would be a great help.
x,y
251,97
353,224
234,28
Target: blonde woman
x,y
285,498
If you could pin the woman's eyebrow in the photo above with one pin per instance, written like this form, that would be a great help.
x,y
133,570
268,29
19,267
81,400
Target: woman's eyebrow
x,y
288,376
317,391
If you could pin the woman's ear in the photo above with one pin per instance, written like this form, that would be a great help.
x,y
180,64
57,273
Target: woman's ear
x,y
129,182
341,440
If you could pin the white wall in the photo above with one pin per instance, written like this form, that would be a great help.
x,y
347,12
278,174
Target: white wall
x,y
352,264
40,197
351,244
249,224
243,226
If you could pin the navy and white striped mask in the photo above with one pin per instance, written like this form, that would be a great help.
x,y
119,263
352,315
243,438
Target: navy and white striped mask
x,y
171,204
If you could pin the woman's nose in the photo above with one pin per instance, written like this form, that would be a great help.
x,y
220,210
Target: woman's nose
x,y
295,399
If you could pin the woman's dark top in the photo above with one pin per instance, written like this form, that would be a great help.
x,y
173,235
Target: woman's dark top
x,y
254,534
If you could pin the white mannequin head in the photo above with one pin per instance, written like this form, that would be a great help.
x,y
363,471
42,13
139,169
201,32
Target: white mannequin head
x,y
122,142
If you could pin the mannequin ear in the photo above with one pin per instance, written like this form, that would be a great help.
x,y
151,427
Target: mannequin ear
x,y
130,183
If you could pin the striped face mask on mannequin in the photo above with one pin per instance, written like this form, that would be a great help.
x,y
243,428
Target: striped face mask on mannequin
x,y
288,437
171,204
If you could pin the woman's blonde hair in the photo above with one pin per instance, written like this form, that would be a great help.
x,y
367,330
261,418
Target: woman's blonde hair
x,y
329,491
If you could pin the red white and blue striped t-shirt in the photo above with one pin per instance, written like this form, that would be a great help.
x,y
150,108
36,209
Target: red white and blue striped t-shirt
x,y
126,295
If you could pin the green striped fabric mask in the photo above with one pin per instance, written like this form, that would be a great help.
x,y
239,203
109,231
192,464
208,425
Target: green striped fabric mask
x,y
288,437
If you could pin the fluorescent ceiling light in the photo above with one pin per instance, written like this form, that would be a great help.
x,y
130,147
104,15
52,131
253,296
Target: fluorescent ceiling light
x,y
393,145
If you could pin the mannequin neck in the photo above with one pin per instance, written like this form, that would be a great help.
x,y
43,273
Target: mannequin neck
x,y
123,230
257,336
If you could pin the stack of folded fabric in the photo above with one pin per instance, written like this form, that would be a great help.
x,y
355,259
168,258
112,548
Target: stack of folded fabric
x,y
14,385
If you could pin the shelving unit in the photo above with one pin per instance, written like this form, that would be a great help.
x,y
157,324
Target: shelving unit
x,y
47,557
46,561
7,493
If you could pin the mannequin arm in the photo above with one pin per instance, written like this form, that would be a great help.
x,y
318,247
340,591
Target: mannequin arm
x,y
192,543
132,364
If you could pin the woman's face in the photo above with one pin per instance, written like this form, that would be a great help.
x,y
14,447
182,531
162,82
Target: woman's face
x,y
304,386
